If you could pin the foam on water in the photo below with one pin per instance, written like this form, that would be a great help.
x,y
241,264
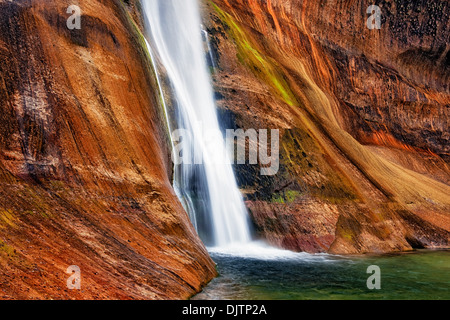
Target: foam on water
x,y
262,251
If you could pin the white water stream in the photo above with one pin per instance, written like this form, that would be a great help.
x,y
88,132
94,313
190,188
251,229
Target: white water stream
x,y
209,190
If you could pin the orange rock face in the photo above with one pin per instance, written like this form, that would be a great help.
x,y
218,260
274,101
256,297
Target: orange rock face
x,y
363,114
84,161
84,151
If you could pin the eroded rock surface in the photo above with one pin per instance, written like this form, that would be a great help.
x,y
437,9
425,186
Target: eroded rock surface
x,y
84,161
363,114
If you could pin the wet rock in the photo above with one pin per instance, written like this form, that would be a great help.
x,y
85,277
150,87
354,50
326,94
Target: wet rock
x,y
363,116
84,161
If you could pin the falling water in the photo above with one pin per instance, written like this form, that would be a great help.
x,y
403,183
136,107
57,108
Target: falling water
x,y
208,191
211,59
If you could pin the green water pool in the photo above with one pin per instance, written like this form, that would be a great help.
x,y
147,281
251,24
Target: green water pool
x,y
423,274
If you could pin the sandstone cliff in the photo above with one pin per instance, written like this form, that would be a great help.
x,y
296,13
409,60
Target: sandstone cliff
x,y
364,119
84,166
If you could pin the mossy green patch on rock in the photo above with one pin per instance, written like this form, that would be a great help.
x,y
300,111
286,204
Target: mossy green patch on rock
x,y
7,249
306,160
285,197
7,219
262,66
277,198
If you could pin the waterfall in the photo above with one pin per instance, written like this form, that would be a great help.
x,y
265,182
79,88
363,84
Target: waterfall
x,y
205,181
212,60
